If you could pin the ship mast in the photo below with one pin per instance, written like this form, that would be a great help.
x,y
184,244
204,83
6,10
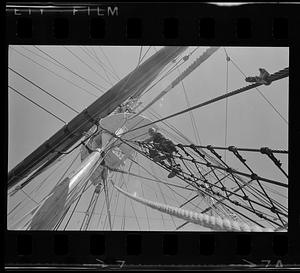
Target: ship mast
x,y
68,135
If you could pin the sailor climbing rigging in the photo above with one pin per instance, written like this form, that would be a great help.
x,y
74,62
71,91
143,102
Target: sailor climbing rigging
x,y
165,146
262,78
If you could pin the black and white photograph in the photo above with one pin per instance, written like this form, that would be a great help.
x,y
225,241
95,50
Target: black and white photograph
x,y
148,138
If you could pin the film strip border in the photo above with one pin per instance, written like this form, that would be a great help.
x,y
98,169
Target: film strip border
x,y
152,23
128,250
162,24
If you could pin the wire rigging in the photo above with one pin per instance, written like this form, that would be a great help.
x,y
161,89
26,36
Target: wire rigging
x,y
239,204
146,209
43,90
231,170
139,60
177,64
110,64
118,197
52,72
58,118
97,61
105,68
190,169
160,181
95,85
226,103
194,125
86,64
145,53
264,97
276,76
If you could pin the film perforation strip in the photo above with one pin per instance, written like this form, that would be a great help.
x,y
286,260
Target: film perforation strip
x,y
207,28
171,244
244,28
171,28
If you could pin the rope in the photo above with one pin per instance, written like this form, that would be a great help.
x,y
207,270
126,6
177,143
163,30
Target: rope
x,y
93,55
273,77
187,179
229,192
64,66
239,149
82,142
102,50
173,68
170,70
38,105
215,223
226,104
42,89
140,54
263,96
269,153
103,65
243,161
210,51
145,53
147,178
226,191
51,71
90,67
91,208
66,137
228,170
194,125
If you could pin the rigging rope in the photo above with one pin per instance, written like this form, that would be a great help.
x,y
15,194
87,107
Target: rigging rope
x,y
42,89
140,54
187,178
147,178
173,68
273,77
210,51
103,66
173,128
90,67
238,155
49,70
240,149
38,105
194,125
91,208
215,223
78,75
264,97
97,61
226,104
102,50
170,70
224,189
145,53
228,170
192,213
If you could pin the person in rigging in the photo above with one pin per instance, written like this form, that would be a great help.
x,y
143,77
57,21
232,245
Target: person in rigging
x,y
166,147
262,78
101,175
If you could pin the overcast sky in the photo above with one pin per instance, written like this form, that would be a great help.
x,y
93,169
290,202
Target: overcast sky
x,y
251,122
